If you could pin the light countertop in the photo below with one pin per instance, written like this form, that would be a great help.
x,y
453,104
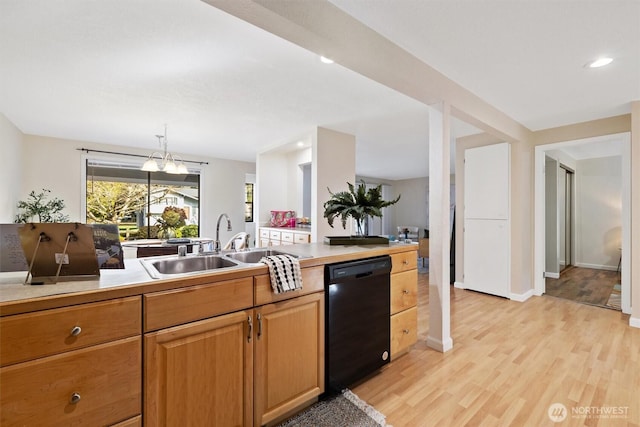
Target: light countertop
x,y
134,279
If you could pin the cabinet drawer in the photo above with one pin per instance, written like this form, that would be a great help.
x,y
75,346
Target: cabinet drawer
x,y
301,238
32,335
404,290
264,233
274,235
170,308
287,237
107,379
404,331
312,281
404,261
131,422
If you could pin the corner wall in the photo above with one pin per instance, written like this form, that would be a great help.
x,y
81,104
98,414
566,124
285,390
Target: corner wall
x,y
11,170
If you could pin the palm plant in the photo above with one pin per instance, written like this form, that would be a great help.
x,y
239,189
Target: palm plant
x,y
358,204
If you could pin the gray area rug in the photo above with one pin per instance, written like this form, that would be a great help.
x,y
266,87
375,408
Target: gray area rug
x,y
343,410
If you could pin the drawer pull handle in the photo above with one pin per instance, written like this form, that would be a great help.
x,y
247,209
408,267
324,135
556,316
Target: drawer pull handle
x,y
405,291
259,325
405,331
405,262
75,398
76,331
250,321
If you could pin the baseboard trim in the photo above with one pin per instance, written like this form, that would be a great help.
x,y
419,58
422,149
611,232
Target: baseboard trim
x,y
634,322
597,266
459,285
438,345
521,297
552,275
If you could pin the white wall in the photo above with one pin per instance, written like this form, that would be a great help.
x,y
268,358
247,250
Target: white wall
x,y
598,212
413,207
10,172
334,164
57,164
552,267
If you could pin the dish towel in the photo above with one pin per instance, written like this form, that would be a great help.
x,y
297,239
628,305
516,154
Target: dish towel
x,y
284,271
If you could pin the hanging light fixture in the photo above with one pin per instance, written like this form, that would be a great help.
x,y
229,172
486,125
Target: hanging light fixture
x,y
169,163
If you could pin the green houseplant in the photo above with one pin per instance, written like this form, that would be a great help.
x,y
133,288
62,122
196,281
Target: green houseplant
x,y
357,203
37,207
172,219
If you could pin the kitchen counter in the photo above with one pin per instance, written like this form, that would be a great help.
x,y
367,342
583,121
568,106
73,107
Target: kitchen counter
x,y
134,280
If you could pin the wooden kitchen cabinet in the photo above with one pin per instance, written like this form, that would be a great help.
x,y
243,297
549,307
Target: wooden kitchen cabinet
x,y
200,373
289,356
76,365
404,300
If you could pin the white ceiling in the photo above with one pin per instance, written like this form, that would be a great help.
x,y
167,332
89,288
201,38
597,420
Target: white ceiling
x,y
116,71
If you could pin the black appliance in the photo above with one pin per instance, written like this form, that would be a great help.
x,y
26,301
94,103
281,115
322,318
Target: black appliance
x,y
357,328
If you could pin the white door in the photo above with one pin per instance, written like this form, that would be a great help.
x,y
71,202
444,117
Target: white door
x,y
487,229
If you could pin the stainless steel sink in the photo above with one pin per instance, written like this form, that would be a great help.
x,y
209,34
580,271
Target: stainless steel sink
x,y
254,256
167,266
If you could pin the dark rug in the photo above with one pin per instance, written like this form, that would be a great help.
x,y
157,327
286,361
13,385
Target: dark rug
x,y
343,410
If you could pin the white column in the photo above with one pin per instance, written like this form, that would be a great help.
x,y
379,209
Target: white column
x,y
634,265
439,337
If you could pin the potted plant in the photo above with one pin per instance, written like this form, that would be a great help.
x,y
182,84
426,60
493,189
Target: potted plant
x,y
358,204
37,207
170,221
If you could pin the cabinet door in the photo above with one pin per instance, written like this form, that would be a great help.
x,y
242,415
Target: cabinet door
x,y
97,385
404,331
200,373
289,349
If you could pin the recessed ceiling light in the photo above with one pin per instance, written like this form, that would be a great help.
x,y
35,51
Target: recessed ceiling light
x,y
326,60
600,62
300,144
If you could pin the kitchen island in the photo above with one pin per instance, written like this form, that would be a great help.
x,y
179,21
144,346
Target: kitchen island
x,y
216,346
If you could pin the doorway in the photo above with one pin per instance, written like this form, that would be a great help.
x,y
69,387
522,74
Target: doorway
x,y
611,241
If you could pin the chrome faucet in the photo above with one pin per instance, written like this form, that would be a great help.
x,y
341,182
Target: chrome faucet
x,y
216,244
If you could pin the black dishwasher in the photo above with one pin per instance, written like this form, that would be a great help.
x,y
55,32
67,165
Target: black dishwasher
x,y
357,328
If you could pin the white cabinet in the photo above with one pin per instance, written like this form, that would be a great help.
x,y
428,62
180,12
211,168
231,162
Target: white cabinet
x,y
285,236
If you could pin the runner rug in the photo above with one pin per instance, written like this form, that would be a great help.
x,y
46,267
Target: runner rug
x,y
343,410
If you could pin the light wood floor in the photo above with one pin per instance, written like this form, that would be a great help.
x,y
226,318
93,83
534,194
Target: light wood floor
x,y
510,361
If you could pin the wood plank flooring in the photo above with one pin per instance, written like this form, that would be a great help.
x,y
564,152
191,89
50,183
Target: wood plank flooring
x,y
510,361
584,285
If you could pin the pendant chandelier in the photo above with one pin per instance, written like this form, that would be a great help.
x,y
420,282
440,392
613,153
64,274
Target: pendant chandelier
x,y
169,163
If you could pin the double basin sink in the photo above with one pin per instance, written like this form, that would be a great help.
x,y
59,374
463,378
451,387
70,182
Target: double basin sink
x,y
168,266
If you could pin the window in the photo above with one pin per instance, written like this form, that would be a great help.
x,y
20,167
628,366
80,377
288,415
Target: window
x,y
248,202
120,193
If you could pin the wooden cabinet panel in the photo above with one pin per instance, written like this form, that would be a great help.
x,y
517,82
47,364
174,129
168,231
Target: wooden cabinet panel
x,y
404,331
404,290
289,356
175,307
200,374
403,261
106,377
312,281
44,333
